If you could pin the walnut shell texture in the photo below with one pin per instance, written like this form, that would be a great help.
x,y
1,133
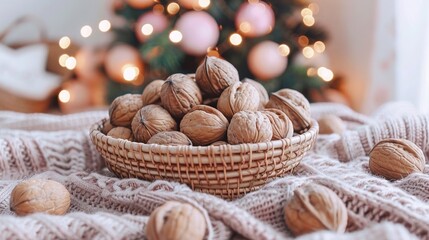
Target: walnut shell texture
x,y
107,126
39,195
315,207
176,221
263,94
123,109
214,75
295,105
204,125
329,124
152,92
280,122
122,133
150,120
179,94
173,138
249,127
238,97
396,158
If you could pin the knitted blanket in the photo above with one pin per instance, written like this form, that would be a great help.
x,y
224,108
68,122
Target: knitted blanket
x,y
106,207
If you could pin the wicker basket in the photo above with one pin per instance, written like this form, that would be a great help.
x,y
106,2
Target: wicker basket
x,y
228,171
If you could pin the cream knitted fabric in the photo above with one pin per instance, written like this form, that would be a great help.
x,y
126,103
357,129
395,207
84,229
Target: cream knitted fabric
x,y
105,207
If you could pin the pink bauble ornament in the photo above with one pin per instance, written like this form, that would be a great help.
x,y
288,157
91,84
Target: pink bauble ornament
x,y
122,61
149,24
140,4
78,97
199,30
254,19
265,60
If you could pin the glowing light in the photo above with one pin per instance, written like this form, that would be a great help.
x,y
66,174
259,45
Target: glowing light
x,y
158,8
284,50
311,72
204,3
147,29
173,8
245,27
326,74
86,31
319,46
175,36
235,39
130,72
306,12
308,52
303,40
213,52
104,25
64,42
64,96
308,20
70,63
62,60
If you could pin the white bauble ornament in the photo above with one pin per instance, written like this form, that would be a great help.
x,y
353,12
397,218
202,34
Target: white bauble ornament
x,y
265,60
149,24
254,19
199,30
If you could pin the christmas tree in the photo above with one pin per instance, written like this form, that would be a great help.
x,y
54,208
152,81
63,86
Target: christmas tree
x,y
273,42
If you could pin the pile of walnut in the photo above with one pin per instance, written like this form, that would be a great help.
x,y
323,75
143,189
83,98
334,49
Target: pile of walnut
x,y
209,107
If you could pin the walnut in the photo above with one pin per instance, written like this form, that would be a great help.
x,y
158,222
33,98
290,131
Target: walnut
x,y
176,221
214,75
204,125
315,207
151,93
263,94
122,133
295,105
123,109
249,127
280,122
107,126
238,97
173,138
179,94
150,120
396,158
39,195
329,124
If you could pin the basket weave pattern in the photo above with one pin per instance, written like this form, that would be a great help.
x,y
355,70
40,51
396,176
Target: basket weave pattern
x,y
228,171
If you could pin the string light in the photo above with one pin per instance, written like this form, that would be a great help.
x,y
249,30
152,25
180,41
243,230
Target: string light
x,y
173,8
204,3
62,60
311,72
64,42
308,52
319,46
308,20
213,52
175,36
303,40
86,31
235,39
70,63
147,29
326,74
284,50
158,8
104,25
306,12
64,96
130,72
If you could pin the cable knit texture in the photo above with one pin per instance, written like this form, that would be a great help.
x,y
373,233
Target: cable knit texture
x,y
106,207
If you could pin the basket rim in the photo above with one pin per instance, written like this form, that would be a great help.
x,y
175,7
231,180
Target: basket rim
x,y
96,134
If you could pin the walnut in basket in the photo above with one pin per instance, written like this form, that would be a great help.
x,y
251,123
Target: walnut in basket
x,y
204,125
238,97
152,92
122,133
280,122
214,75
150,120
249,127
174,138
295,105
263,94
179,94
123,109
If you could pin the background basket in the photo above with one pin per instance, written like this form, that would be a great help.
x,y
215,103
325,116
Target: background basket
x,y
228,171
